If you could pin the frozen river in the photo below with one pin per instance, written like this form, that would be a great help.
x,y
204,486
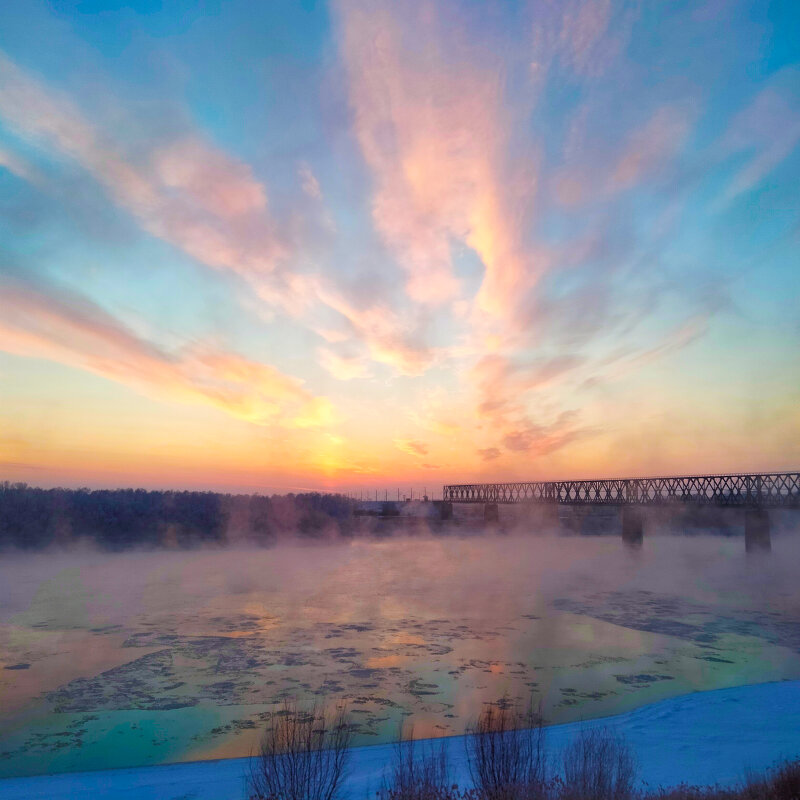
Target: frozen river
x,y
110,660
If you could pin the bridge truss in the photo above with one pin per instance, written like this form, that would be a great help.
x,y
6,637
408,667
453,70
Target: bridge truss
x,y
773,489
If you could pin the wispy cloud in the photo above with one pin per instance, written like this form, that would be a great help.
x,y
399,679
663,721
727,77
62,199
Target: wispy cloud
x,y
436,412
61,326
440,138
343,367
192,194
434,131
489,453
593,176
502,384
17,166
388,338
543,439
185,191
504,391
582,37
309,181
766,132
411,446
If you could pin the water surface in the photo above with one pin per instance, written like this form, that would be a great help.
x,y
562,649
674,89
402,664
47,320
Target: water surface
x,y
122,660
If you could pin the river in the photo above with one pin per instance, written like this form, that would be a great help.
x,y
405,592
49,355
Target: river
x,y
115,660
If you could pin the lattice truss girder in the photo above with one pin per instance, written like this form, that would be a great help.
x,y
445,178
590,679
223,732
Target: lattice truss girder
x,y
780,489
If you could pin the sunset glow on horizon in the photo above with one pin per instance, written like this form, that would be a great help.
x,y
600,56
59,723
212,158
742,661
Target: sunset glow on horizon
x,y
371,245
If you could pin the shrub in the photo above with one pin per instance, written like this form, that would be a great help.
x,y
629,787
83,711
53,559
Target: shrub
x,y
598,765
419,772
780,783
506,754
303,755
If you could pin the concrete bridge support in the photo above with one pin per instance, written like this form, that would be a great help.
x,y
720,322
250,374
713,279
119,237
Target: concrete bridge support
x,y
491,513
756,530
632,526
445,510
550,518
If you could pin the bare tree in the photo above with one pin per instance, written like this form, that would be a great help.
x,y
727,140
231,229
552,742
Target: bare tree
x,y
506,753
419,772
598,765
303,755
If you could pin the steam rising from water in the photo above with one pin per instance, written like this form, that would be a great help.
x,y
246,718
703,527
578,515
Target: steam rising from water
x,y
200,643
475,575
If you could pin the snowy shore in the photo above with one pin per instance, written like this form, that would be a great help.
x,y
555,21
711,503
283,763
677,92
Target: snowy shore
x,y
702,738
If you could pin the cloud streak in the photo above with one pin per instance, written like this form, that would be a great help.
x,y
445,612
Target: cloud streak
x,y
342,367
411,446
63,327
198,198
433,130
767,131
185,191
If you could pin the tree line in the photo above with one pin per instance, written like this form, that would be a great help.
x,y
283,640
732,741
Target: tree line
x,y
117,519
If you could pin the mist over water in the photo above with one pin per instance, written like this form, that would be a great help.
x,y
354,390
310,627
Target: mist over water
x,y
124,659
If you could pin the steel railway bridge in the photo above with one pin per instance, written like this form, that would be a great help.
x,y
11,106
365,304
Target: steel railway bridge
x,y
755,493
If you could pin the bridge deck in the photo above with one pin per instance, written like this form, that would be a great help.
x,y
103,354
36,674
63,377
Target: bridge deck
x,y
774,489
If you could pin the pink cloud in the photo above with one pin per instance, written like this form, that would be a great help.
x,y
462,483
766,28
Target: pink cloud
x,y
387,337
584,26
583,36
185,191
429,117
592,175
205,202
214,181
543,439
489,453
651,147
502,384
503,399
63,327
411,446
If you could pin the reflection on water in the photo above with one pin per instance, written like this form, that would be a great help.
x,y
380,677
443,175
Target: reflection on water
x,y
118,660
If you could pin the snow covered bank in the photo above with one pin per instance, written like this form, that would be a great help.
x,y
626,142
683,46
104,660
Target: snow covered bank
x,y
700,738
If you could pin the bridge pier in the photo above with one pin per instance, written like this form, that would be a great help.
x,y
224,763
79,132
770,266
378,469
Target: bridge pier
x,y
632,526
491,513
445,510
550,518
756,530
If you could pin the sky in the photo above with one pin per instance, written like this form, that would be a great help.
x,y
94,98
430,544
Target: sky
x,y
370,245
